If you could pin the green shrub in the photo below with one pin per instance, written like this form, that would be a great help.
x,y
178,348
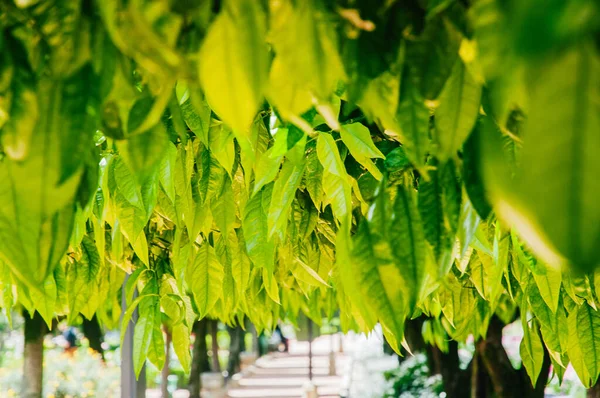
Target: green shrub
x,y
411,379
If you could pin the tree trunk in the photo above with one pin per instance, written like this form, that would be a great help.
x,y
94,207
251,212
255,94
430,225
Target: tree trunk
x,y
507,381
93,332
33,356
255,340
480,379
199,357
164,374
594,391
456,381
214,328
236,345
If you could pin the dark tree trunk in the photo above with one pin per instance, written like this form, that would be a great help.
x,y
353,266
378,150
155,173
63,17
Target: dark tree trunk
x,y
93,332
214,328
199,357
33,356
164,374
594,391
447,364
236,346
480,380
507,381
456,381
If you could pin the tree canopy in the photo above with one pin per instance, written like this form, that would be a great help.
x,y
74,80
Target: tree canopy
x,y
264,158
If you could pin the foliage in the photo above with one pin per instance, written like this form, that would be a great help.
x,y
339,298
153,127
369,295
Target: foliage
x,y
411,379
82,375
261,159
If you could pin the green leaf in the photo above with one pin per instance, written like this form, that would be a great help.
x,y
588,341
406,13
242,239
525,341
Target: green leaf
x,y
358,140
260,248
166,174
230,298
307,274
181,345
266,170
127,201
457,112
80,110
36,208
305,68
156,351
223,208
149,316
335,180
240,267
575,350
588,334
6,292
270,285
568,179
144,152
329,155
413,119
532,352
313,178
205,278
126,320
410,256
45,300
82,280
432,212
284,191
380,282
467,226
23,111
548,281
196,113
235,63
472,172
222,146
434,53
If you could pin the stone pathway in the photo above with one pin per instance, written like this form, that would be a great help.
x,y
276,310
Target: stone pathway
x,y
283,375
359,368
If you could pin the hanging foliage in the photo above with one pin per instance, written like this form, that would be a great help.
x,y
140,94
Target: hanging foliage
x,y
263,158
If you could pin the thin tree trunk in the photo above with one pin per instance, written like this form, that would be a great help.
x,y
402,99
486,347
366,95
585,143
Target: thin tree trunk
x,y
93,332
481,385
214,328
33,356
236,335
199,358
255,340
164,375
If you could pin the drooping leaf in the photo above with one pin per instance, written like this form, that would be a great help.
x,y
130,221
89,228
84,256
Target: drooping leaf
x,y
235,63
380,281
588,330
358,140
260,248
566,129
149,316
284,191
205,276
410,255
532,352
181,345
457,112
413,119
